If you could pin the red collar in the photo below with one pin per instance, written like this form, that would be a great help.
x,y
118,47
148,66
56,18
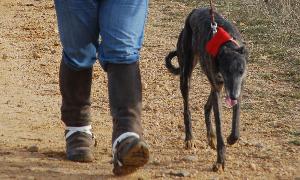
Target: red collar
x,y
214,44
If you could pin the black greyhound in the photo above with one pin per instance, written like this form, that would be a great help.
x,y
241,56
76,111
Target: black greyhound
x,y
227,68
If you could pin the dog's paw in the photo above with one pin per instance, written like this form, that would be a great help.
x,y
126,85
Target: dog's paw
x,y
232,139
189,144
212,141
218,167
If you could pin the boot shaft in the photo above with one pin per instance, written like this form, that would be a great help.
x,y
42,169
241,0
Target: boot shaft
x,y
125,98
75,88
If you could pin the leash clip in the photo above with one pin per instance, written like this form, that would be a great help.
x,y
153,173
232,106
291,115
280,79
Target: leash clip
x,y
214,27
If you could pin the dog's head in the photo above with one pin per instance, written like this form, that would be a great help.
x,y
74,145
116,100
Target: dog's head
x,y
231,63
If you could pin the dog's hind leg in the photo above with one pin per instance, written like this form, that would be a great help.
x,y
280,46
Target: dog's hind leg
x,y
187,64
216,102
185,80
211,136
185,86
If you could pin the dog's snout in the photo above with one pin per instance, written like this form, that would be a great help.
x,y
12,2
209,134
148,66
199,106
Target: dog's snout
x,y
233,96
234,88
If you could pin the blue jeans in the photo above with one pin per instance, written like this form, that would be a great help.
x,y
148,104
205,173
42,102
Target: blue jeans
x,y
109,30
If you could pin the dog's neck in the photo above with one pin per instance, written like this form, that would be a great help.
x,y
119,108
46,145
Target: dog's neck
x,y
230,44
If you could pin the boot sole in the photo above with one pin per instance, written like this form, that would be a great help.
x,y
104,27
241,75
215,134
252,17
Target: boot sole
x,y
137,156
82,155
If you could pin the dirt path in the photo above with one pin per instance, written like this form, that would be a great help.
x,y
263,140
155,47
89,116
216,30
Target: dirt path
x,y
30,101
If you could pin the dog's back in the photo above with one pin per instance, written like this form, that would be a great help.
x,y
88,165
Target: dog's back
x,y
198,23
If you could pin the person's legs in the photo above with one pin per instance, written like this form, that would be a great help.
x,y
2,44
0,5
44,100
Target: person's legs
x,y
79,32
122,29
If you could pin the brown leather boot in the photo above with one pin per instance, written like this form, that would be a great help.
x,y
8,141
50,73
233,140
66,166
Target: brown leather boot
x,y
125,96
129,154
78,146
75,88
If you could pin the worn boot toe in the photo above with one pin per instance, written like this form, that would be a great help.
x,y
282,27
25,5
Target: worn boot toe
x,y
130,154
79,147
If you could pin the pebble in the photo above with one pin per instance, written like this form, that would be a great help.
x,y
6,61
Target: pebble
x,y
181,173
147,107
56,44
242,24
246,143
180,127
269,169
144,85
46,48
33,148
156,162
36,55
160,175
168,159
253,167
291,150
4,56
197,108
259,145
53,51
277,124
228,157
242,141
190,158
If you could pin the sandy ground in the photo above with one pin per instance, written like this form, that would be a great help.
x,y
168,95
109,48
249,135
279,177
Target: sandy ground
x,y
31,133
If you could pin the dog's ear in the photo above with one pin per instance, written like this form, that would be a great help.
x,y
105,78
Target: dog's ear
x,y
241,50
225,50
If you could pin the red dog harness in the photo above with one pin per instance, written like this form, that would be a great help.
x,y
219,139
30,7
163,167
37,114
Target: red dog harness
x,y
218,39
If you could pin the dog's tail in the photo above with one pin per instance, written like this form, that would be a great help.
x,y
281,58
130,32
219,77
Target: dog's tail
x,y
169,65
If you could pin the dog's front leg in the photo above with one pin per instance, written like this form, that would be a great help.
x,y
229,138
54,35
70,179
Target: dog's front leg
x,y
216,100
235,132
